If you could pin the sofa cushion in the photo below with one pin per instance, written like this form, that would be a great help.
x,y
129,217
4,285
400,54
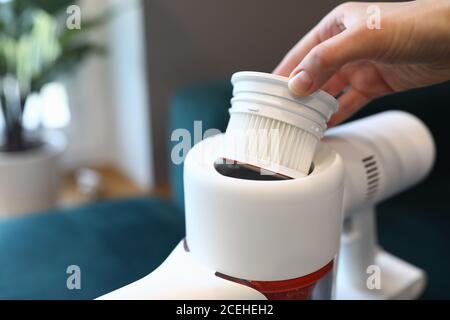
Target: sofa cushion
x,y
113,243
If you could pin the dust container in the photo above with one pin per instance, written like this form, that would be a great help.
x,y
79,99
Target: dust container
x,y
268,216
317,285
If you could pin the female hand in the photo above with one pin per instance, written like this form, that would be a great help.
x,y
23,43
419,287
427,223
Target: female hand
x,y
366,50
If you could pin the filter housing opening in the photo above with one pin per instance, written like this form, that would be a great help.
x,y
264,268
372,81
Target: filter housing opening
x,y
245,171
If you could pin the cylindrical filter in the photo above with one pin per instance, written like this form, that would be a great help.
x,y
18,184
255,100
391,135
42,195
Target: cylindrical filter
x,y
272,129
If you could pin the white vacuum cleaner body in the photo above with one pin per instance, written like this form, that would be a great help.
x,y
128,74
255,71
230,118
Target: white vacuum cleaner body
x,y
257,233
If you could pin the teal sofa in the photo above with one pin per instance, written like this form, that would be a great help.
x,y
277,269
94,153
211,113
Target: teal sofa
x,y
117,242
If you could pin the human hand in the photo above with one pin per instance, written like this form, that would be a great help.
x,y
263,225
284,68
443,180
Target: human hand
x,y
347,53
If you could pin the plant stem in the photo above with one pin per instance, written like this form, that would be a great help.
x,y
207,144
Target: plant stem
x,y
15,141
12,107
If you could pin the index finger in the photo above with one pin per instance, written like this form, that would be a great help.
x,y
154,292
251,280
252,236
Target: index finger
x,y
329,26
297,53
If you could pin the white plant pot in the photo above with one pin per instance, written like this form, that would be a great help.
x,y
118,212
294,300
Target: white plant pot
x,y
30,180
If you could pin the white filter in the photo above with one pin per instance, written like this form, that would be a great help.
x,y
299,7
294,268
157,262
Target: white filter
x,y
277,146
273,130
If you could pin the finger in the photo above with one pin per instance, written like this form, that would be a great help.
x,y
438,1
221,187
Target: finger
x,y
329,26
349,103
322,62
297,53
336,84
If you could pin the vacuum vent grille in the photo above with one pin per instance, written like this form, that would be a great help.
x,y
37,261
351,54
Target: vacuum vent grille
x,y
373,176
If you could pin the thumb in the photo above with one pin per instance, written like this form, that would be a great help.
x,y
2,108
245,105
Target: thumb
x,y
322,62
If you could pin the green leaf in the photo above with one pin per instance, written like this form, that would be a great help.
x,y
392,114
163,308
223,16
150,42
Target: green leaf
x,y
69,35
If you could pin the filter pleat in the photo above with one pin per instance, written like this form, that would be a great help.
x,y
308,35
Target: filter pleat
x,y
272,140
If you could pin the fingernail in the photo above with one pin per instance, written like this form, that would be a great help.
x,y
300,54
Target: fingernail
x,y
300,83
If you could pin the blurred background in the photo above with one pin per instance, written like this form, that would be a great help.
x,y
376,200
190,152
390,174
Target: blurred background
x,y
107,84
91,92
80,69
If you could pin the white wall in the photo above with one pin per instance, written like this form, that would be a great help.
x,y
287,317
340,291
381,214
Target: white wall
x,y
132,122
89,89
108,98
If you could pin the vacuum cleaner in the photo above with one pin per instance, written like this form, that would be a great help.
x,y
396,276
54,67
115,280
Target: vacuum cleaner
x,y
277,208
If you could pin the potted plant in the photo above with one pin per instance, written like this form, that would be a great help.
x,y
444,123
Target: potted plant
x,y
36,47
